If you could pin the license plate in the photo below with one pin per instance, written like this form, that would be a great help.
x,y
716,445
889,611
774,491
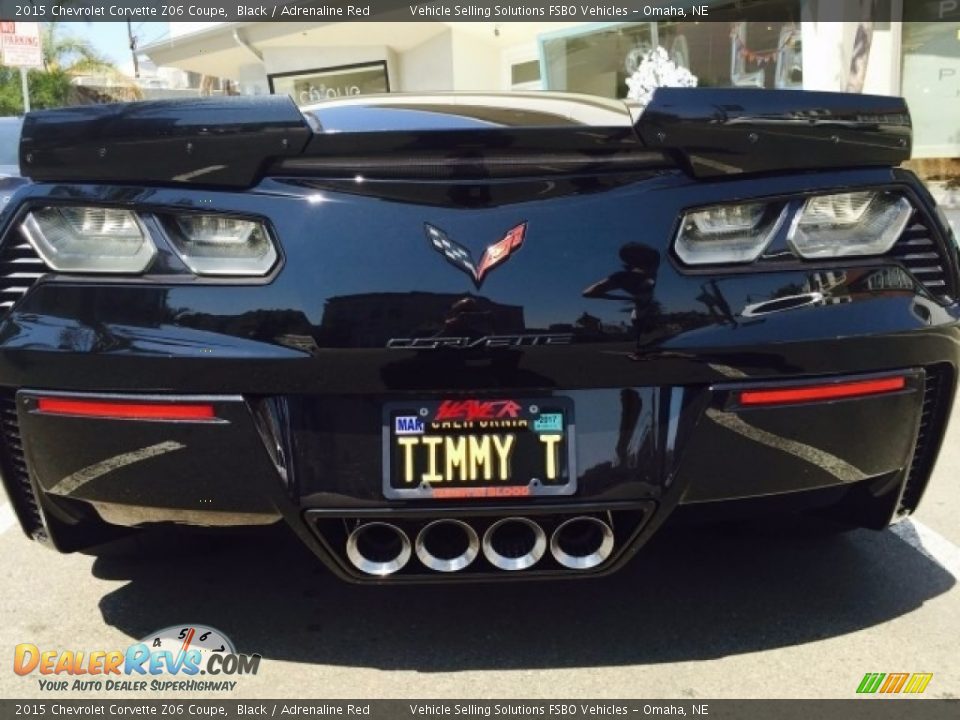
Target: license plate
x,y
472,448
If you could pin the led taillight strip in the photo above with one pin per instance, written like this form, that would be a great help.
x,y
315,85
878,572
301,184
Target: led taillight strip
x,y
127,410
813,393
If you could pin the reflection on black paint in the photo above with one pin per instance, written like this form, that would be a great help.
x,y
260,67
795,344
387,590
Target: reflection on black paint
x,y
372,319
630,406
717,307
634,284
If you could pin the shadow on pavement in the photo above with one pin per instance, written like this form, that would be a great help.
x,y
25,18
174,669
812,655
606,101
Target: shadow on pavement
x,y
691,594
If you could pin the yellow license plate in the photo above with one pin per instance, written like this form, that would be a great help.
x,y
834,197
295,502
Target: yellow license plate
x,y
480,448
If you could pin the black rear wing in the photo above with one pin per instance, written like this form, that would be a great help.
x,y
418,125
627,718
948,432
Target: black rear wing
x,y
222,141
235,141
749,130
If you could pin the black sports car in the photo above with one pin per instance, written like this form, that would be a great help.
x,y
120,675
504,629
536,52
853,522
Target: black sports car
x,y
471,336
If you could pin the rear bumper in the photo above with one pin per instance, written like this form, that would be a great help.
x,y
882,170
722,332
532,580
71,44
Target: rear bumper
x,y
314,461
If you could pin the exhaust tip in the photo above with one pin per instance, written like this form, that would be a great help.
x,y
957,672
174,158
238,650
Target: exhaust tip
x,y
514,543
447,545
581,543
378,548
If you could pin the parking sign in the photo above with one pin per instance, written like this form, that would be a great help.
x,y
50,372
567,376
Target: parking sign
x,y
20,44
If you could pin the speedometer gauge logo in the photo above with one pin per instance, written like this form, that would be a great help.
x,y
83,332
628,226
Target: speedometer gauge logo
x,y
183,638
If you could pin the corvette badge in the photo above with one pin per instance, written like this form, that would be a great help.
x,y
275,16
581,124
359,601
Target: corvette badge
x,y
460,257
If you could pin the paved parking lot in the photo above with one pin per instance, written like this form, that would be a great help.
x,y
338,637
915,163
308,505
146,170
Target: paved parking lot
x,y
776,611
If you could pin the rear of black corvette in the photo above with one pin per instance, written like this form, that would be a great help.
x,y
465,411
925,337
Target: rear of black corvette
x,y
454,337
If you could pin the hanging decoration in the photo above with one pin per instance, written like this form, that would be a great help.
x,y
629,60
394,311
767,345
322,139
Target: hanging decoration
x,y
738,33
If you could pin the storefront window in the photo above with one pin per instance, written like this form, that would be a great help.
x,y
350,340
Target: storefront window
x,y
597,61
737,54
312,86
931,85
524,73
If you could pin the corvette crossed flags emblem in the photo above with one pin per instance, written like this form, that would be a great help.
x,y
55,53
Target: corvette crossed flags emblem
x,y
460,257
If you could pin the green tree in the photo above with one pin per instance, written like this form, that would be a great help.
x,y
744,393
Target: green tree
x,y
48,89
70,53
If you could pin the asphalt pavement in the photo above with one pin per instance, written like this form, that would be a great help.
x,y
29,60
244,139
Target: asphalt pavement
x,y
766,610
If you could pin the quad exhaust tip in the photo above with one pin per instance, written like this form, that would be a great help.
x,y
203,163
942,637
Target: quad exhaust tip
x,y
581,543
378,548
447,545
514,543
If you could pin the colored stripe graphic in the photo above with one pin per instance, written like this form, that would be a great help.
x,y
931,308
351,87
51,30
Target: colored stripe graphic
x,y
893,683
870,682
918,683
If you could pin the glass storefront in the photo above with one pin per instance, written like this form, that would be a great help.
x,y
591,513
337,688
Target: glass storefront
x,y
598,60
931,85
311,86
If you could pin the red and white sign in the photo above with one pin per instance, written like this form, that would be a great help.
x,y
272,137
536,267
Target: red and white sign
x,y
20,44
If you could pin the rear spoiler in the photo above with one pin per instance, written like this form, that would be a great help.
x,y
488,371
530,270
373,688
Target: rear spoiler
x,y
205,141
234,141
748,130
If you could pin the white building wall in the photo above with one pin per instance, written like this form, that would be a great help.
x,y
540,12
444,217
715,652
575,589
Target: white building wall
x,y
476,64
252,79
883,70
828,51
428,66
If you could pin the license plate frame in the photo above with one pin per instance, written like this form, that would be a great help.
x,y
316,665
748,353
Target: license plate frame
x,y
530,410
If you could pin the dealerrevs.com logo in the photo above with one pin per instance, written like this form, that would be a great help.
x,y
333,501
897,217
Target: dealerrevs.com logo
x,y
187,658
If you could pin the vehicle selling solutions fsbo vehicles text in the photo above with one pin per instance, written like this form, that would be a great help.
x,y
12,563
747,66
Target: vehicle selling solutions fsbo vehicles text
x,y
487,12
